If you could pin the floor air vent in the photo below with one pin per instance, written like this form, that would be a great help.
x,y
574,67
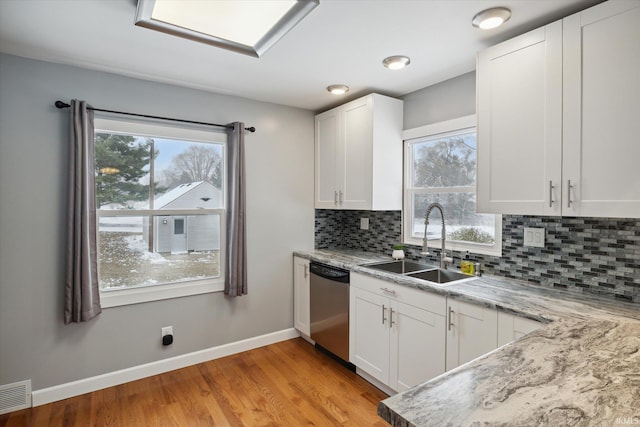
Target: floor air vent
x,y
15,396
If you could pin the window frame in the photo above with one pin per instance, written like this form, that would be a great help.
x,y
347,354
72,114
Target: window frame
x,y
155,292
409,136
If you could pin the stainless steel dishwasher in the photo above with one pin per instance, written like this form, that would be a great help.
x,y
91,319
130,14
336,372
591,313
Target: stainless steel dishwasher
x,y
330,309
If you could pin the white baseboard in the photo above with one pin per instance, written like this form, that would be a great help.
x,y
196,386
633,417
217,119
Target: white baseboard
x,y
87,385
376,383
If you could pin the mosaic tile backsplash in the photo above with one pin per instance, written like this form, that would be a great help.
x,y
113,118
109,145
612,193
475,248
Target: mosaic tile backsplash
x,y
594,255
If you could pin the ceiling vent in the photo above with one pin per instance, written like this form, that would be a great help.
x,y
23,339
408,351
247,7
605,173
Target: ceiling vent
x,y
15,396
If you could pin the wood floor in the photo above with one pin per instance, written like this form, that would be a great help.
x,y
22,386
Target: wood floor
x,y
284,384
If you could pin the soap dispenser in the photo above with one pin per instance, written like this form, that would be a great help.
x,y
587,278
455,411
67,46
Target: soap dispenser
x,y
467,266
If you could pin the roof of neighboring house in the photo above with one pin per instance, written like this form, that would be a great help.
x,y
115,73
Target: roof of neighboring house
x,y
182,189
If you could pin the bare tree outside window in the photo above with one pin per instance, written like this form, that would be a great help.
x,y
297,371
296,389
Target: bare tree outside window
x,y
196,163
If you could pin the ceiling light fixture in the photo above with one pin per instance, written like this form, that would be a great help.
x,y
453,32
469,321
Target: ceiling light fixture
x,y
338,89
396,62
491,18
249,27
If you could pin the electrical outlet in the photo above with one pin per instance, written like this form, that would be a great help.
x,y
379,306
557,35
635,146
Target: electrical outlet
x,y
534,237
364,223
167,330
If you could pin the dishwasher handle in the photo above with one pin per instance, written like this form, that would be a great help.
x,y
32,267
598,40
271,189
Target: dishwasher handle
x,y
328,272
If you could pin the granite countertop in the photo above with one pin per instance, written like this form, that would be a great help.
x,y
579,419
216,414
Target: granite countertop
x,y
582,368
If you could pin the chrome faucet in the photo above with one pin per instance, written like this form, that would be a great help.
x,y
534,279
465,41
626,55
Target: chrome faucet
x,y
444,260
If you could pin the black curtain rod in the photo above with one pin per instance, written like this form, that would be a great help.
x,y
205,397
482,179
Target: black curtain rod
x,y
61,105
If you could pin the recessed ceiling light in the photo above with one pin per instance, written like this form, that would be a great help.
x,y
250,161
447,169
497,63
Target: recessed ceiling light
x,y
338,89
396,62
491,18
250,27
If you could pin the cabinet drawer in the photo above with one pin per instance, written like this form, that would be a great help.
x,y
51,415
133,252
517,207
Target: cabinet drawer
x,y
425,300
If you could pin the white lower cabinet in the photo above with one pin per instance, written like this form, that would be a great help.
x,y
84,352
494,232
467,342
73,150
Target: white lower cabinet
x,y
472,331
397,334
511,328
402,337
301,292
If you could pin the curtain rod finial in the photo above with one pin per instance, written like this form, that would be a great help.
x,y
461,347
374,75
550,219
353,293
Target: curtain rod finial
x,y
60,104
251,129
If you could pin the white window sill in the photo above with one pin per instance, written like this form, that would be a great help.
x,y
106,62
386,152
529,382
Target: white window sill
x,y
141,294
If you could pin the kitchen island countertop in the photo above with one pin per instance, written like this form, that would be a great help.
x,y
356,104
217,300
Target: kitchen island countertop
x,y
581,368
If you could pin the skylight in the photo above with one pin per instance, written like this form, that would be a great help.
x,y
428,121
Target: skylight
x,y
250,27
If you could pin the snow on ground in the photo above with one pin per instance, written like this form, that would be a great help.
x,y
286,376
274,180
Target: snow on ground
x,y
138,244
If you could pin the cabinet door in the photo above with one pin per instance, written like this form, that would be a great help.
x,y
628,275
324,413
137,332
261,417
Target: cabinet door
x,y
472,331
511,328
519,94
327,150
369,333
602,110
355,168
417,346
301,305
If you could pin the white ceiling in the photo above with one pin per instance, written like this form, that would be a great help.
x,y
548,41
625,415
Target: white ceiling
x,y
339,42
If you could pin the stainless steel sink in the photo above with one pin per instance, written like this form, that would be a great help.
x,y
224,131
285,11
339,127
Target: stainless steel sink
x,y
400,267
421,271
440,276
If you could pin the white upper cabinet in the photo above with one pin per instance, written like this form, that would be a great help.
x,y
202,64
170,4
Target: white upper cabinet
x,y
601,97
359,155
558,112
519,85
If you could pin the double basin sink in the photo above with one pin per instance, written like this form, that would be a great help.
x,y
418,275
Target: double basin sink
x,y
421,271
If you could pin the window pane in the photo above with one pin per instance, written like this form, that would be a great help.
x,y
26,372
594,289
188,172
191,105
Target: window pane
x,y
178,226
462,222
445,161
134,251
186,174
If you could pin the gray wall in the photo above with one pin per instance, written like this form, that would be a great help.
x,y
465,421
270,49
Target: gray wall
x,y
446,100
34,342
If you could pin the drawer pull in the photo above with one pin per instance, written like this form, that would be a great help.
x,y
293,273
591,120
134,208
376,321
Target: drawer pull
x,y
450,322
384,309
389,291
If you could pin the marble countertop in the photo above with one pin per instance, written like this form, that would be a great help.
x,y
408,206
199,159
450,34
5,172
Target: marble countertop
x,y
582,368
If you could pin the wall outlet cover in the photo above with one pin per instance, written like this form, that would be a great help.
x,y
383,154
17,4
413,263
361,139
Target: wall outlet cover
x,y
534,237
364,223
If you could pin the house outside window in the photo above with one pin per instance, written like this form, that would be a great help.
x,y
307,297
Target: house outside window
x,y
440,166
160,210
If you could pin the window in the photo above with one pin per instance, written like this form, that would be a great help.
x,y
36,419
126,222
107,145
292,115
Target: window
x,y
160,211
440,166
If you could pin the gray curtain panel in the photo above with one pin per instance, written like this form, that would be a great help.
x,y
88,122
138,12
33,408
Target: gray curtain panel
x,y
235,282
82,295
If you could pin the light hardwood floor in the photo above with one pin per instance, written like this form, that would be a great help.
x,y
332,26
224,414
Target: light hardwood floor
x,y
284,384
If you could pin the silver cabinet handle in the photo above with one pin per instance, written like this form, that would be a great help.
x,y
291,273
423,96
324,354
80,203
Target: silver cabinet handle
x,y
450,321
335,198
551,187
391,322
384,309
306,271
569,187
341,197
389,291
